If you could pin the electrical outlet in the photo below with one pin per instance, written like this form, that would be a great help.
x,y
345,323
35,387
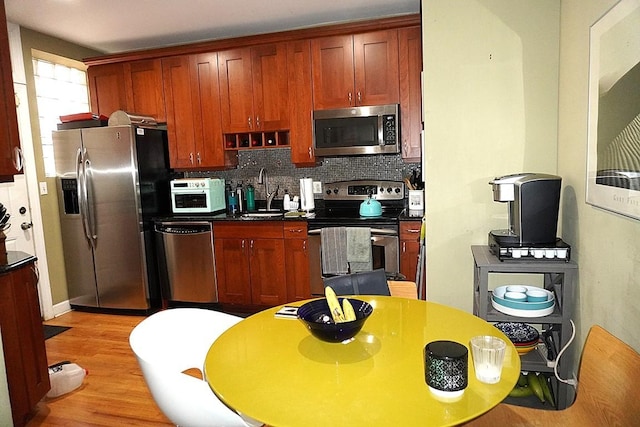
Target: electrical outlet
x,y
43,188
317,187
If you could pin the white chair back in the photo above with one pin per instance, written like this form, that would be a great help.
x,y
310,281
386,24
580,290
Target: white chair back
x,y
172,341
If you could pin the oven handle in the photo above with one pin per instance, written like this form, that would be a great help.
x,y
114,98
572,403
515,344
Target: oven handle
x,y
374,231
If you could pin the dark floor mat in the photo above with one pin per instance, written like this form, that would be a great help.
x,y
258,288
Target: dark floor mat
x,y
52,331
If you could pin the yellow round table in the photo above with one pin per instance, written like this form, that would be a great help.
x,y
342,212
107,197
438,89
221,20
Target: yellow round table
x,y
273,370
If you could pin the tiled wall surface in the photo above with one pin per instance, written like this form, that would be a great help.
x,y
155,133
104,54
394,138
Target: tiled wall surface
x,y
282,173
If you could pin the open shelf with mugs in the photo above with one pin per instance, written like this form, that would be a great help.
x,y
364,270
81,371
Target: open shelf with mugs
x,y
256,140
552,315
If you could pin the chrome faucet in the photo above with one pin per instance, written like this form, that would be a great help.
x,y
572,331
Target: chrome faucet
x,y
263,179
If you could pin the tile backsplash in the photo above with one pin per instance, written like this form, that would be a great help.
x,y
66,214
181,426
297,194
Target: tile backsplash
x,y
282,173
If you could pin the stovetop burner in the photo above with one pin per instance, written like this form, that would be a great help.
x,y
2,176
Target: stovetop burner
x,y
342,199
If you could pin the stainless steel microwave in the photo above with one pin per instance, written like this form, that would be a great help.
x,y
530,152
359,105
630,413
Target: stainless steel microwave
x,y
356,131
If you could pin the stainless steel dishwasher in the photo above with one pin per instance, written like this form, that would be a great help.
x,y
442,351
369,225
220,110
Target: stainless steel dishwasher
x,y
186,261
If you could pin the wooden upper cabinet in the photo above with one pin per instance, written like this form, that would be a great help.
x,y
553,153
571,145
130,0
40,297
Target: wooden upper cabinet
x,y
300,102
410,60
179,110
107,88
135,87
193,112
253,89
143,88
9,137
355,70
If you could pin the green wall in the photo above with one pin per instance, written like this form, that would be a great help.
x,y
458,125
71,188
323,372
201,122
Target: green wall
x,y
506,91
49,203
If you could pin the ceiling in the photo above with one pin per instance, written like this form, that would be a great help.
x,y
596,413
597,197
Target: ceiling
x,y
122,25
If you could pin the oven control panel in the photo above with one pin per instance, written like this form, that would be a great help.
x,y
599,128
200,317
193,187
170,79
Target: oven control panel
x,y
361,189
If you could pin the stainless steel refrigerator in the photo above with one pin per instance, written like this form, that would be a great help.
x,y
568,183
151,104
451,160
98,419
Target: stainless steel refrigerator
x,y
111,182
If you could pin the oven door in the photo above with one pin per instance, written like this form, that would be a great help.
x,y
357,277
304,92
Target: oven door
x,y
384,249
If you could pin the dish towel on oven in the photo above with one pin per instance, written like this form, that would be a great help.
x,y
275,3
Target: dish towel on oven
x,y
333,241
359,249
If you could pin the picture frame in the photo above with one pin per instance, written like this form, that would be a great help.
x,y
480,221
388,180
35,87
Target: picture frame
x,y
613,155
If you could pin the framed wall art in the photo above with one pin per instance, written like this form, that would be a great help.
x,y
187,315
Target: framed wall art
x,y
613,162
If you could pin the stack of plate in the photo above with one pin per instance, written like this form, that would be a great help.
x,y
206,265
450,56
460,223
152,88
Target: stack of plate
x,y
522,308
523,336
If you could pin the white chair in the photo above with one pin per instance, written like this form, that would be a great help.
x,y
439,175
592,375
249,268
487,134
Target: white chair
x,y
172,341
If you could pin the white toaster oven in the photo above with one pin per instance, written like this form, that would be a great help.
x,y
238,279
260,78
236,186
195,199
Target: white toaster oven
x,y
197,195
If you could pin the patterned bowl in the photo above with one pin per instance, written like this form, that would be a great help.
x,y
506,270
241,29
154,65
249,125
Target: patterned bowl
x,y
519,333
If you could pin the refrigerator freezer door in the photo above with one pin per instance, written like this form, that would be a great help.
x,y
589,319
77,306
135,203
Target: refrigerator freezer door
x,y
78,256
113,197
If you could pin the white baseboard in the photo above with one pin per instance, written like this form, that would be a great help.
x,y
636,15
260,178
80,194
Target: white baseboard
x,y
61,308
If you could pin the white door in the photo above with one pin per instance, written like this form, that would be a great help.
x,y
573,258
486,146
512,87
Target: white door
x,y
15,197
22,198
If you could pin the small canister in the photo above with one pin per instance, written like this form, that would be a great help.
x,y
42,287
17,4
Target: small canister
x,y
251,198
446,368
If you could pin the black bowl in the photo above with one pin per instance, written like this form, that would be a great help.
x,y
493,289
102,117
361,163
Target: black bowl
x,y
317,318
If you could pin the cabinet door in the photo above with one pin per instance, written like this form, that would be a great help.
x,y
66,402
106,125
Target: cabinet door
x,y
9,139
300,102
296,261
179,107
409,248
236,97
268,286
232,271
34,355
143,86
107,88
332,68
270,87
23,342
410,60
376,68
205,90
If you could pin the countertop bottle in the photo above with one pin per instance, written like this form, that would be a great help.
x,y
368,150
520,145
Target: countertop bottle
x,y
286,201
240,197
232,201
251,198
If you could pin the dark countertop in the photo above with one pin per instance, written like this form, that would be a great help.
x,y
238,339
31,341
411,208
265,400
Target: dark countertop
x,y
15,260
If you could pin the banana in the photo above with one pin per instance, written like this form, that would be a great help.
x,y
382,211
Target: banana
x,y
534,384
521,391
347,309
546,390
334,305
522,380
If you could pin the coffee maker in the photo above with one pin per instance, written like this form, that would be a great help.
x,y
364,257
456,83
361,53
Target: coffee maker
x,y
534,201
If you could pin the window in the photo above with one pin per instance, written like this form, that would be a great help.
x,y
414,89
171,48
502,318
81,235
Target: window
x,y
61,88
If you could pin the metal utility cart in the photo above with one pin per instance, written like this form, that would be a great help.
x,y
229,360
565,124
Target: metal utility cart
x,y
559,277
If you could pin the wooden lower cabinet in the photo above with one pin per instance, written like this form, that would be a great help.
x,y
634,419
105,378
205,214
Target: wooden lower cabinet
x,y
410,249
296,260
23,341
250,263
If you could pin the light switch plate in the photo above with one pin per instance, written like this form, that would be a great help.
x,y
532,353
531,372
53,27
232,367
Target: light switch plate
x,y
43,188
317,187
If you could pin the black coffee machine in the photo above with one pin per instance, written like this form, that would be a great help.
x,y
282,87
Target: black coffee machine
x,y
534,202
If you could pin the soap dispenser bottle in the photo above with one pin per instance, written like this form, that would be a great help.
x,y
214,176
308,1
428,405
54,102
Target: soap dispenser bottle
x,y
286,201
240,196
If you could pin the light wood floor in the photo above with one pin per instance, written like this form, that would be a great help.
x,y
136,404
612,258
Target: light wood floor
x,y
114,392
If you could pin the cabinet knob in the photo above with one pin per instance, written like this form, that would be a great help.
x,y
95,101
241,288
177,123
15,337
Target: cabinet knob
x,y
350,96
249,122
359,97
257,122
198,158
191,158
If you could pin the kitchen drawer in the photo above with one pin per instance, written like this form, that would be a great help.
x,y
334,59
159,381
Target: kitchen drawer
x,y
295,230
248,230
410,230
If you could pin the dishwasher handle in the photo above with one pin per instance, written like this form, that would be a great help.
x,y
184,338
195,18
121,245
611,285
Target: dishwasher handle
x,y
183,227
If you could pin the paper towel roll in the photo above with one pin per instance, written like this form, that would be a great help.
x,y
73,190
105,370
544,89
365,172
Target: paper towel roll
x,y
306,194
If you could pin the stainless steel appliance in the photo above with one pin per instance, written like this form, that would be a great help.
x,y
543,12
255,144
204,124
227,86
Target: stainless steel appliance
x,y
356,131
197,195
341,208
186,261
111,181
534,201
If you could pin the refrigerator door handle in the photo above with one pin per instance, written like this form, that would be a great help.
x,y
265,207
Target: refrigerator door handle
x,y
91,217
82,193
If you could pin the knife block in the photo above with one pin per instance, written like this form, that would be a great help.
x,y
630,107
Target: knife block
x,y
3,249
